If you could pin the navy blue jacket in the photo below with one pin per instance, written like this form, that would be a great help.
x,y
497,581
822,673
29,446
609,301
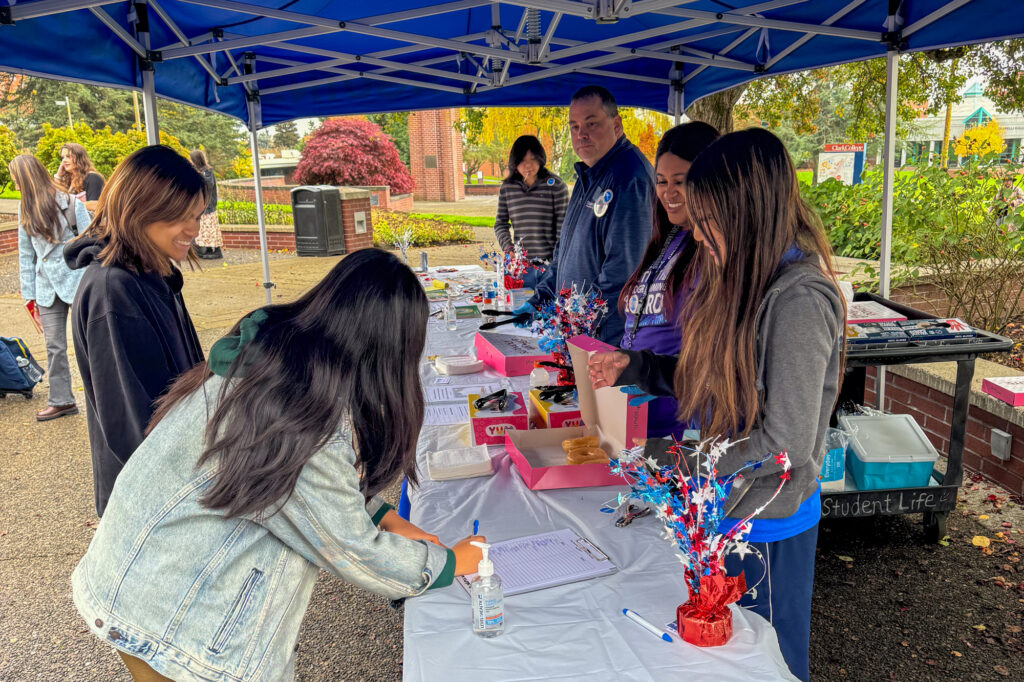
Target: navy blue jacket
x,y
603,251
133,338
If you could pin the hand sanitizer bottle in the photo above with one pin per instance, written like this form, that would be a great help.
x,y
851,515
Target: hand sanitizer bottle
x,y
486,596
451,316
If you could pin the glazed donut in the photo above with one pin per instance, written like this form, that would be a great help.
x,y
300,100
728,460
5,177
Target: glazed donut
x,y
585,455
582,442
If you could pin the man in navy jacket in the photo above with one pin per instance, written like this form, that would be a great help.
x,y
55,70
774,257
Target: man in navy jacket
x,y
608,221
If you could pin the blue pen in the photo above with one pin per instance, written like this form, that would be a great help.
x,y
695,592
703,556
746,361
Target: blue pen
x,y
476,527
632,615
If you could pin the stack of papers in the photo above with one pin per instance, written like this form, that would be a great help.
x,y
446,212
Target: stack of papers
x,y
446,465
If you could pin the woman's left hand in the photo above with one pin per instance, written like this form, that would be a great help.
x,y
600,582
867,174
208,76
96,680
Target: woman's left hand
x,y
605,368
393,523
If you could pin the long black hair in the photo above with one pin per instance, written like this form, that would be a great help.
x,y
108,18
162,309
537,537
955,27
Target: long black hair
x,y
686,141
348,349
526,144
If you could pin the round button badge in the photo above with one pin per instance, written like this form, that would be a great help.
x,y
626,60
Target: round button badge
x,y
602,203
551,181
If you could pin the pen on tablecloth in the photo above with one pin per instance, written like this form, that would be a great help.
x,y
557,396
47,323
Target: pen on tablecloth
x,y
476,527
632,615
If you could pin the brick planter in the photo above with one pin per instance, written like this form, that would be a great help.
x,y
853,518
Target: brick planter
x,y
8,237
924,393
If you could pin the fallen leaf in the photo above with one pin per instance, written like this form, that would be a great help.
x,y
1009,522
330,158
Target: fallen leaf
x,y
944,541
1007,524
1013,628
979,628
1002,670
982,517
956,653
980,541
847,559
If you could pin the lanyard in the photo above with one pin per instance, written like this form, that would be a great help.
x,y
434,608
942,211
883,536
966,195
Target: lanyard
x,y
645,281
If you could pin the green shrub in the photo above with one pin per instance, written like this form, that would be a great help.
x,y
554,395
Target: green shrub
x,y
386,224
425,232
244,213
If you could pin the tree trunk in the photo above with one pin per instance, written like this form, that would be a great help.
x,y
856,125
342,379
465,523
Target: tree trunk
x,y
716,109
949,119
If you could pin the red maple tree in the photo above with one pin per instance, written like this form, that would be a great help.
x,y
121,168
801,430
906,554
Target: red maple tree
x,y
352,151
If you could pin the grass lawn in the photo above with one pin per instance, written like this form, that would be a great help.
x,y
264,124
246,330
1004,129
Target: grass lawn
x,y
806,176
478,221
9,193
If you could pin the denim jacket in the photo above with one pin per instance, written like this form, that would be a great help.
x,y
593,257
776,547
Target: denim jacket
x,y
44,274
202,597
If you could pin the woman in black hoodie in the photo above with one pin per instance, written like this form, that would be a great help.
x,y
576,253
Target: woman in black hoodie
x,y
133,336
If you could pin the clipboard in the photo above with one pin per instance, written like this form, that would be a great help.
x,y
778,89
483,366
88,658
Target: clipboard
x,y
537,562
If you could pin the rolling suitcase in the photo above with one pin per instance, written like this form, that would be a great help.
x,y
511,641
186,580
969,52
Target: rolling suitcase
x,y
19,372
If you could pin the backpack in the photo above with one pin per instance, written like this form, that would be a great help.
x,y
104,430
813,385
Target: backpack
x,y
19,372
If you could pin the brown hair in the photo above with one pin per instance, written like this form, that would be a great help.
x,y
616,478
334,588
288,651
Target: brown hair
x,y
198,159
152,185
40,215
745,184
81,166
364,321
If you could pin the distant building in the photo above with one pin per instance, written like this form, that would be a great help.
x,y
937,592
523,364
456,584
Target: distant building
x,y
283,166
973,110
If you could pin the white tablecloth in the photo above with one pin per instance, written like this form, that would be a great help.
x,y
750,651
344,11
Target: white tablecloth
x,y
572,632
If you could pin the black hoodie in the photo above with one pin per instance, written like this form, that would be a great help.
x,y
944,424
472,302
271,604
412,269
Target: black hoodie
x,y
133,338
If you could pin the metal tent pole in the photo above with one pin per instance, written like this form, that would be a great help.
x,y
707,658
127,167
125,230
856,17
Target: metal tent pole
x,y
253,107
146,67
888,177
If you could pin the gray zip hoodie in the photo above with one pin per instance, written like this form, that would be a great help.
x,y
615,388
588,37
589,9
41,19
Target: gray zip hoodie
x,y
800,337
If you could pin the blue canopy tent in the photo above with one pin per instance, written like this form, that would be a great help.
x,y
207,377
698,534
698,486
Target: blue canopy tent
x,y
268,61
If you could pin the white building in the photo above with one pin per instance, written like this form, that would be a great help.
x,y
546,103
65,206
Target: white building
x,y
974,109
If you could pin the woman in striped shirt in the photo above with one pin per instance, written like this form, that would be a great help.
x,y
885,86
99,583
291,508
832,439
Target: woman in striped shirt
x,y
531,204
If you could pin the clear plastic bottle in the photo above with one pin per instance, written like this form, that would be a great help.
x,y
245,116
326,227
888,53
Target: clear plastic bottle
x,y
451,316
487,598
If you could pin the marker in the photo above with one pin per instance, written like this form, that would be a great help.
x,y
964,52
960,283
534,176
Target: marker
x,y
476,527
632,615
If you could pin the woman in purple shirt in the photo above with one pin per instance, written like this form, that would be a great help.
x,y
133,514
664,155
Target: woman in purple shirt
x,y
660,286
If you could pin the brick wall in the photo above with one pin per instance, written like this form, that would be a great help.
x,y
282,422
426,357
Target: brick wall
x,y
433,134
250,239
932,410
482,190
8,238
400,202
353,241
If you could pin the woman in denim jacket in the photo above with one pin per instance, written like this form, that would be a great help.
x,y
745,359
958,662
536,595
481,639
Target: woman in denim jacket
x,y
43,230
205,559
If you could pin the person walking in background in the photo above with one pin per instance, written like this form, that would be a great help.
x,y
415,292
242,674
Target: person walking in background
x,y
48,218
531,204
659,289
261,467
210,239
78,176
608,220
133,335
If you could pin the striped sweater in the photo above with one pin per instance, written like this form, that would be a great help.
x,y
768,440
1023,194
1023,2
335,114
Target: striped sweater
x,y
534,214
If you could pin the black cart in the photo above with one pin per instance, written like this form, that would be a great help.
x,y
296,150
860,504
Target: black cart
x,y
938,498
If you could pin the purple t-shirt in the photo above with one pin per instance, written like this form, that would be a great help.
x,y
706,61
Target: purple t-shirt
x,y
654,330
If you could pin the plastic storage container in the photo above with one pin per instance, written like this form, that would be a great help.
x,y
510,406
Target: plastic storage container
x,y
888,451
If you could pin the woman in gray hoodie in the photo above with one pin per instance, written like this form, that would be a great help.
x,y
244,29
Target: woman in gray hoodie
x,y
761,360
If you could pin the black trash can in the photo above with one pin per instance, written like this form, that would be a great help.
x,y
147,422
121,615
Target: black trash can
x,y
318,228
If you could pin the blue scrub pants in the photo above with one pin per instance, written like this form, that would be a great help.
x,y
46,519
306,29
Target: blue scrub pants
x,y
784,582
